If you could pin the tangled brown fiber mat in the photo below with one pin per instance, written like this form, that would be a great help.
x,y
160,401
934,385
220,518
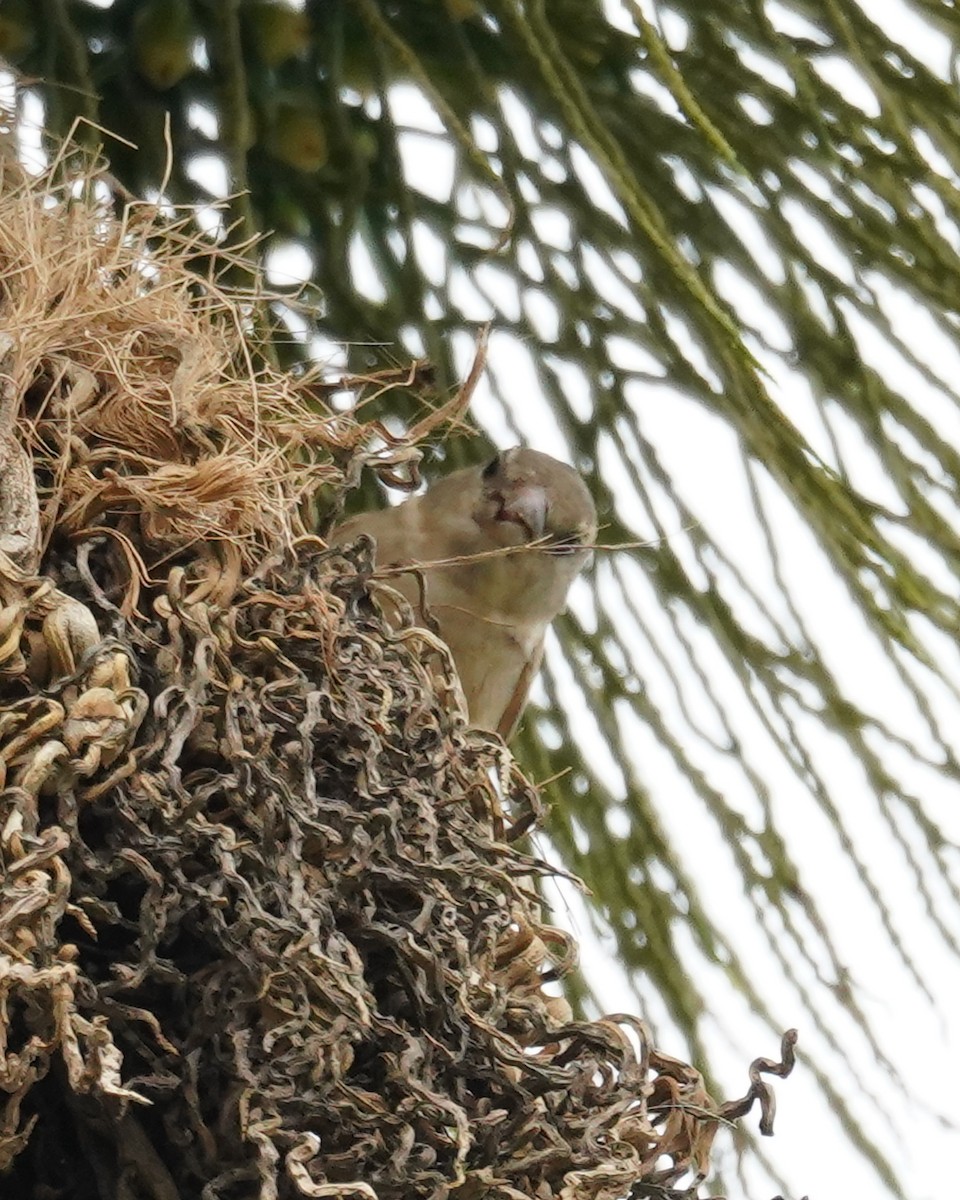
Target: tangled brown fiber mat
x,y
265,929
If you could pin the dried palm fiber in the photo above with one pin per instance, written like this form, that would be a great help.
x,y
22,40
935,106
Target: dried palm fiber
x,y
264,926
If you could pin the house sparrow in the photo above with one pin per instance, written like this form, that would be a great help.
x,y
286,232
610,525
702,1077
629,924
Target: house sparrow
x,y
498,547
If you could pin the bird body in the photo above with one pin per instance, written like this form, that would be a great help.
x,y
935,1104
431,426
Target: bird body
x,y
498,547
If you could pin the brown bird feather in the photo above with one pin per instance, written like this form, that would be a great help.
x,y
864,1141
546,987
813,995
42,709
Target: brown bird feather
x,y
498,547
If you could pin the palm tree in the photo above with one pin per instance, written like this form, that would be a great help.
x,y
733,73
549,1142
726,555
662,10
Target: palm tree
x,y
717,245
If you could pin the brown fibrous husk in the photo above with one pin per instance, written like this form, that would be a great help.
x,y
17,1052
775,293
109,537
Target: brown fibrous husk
x,y
266,928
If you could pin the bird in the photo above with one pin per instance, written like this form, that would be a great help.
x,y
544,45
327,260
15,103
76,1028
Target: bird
x,y
497,547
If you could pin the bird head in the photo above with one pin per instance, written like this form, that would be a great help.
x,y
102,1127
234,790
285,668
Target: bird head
x,y
526,497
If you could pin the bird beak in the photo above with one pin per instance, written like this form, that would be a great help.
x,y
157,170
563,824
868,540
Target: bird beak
x,y
527,506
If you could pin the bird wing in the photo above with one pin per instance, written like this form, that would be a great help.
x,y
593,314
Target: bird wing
x,y
518,699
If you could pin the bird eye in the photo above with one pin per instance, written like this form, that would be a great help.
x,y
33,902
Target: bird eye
x,y
491,468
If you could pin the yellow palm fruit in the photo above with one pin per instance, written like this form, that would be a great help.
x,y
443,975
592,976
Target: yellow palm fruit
x,y
279,32
297,136
163,40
